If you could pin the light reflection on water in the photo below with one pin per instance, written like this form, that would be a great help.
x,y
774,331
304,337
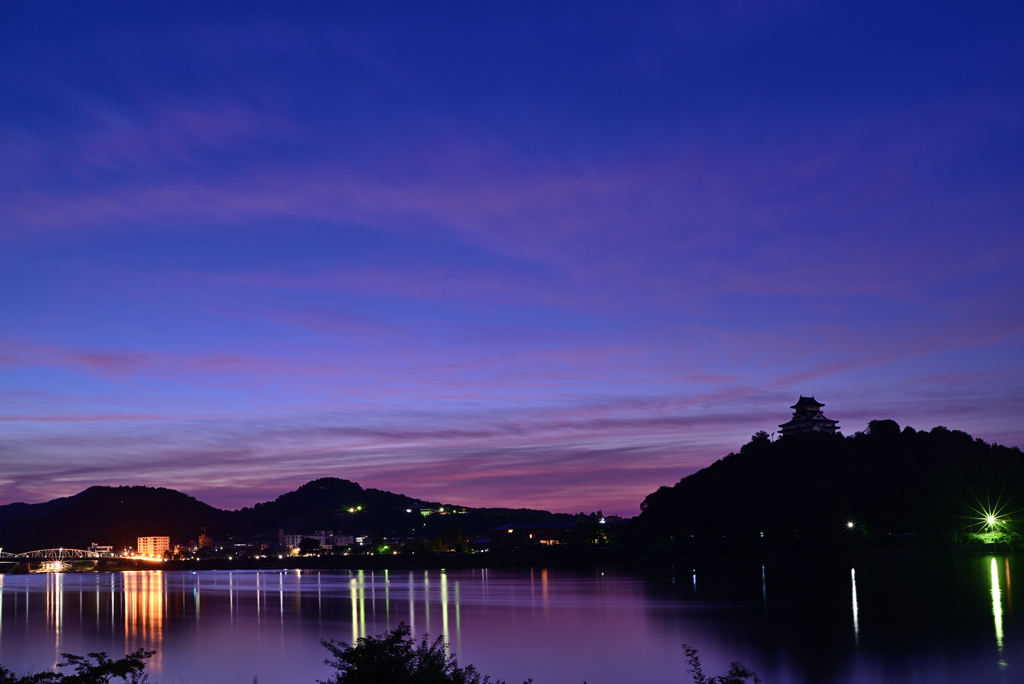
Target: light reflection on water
x,y
856,610
553,625
997,609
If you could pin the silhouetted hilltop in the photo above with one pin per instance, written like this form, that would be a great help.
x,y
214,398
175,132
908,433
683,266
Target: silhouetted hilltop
x,y
803,490
331,503
119,515
26,510
110,515
334,504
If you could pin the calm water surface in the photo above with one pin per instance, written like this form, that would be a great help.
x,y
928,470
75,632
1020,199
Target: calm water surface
x,y
932,620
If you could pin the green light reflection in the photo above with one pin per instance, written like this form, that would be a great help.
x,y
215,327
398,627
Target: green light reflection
x,y
387,599
353,591
362,604
997,609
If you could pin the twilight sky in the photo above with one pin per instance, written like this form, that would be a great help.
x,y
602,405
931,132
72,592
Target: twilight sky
x,y
522,254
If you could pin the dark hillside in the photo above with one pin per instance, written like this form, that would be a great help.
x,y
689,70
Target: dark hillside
x,y
343,506
119,515
803,490
331,503
25,510
116,516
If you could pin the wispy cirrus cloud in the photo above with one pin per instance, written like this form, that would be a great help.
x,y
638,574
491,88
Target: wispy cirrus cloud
x,y
266,249
572,454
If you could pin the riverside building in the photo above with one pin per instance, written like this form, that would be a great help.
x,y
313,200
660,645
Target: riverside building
x,y
153,547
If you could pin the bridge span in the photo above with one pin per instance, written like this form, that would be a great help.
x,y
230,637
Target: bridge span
x,y
62,559
50,554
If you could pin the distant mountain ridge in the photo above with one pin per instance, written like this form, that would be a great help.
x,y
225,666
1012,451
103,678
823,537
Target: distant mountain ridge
x,y
119,515
108,515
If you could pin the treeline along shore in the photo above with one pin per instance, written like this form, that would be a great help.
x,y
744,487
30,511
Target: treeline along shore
x,y
883,489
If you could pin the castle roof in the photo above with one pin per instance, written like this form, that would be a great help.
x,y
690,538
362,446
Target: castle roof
x,y
798,422
806,402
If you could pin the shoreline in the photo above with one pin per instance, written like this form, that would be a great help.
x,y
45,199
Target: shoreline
x,y
589,558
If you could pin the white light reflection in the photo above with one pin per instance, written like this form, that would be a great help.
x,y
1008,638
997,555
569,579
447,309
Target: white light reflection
x,y
997,611
412,604
764,589
426,599
373,594
856,623
353,592
444,610
55,607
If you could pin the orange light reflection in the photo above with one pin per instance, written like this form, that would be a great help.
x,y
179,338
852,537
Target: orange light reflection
x,y
144,612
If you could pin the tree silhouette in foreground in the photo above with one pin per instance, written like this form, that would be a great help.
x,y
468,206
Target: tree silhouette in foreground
x,y
394,658
95,668
391,658
737,674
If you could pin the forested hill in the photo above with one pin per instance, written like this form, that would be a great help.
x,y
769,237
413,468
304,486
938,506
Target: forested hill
x,y
119,515
806,489
109,515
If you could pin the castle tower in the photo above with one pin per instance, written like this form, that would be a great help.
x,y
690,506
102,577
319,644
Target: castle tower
x,y
807,417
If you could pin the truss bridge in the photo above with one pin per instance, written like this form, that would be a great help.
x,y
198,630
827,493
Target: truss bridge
x,y
49,555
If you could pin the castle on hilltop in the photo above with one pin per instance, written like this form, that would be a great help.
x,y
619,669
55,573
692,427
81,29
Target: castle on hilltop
x,y
807,417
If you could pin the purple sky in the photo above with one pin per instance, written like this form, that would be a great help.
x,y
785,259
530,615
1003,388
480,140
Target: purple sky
x,y
497,255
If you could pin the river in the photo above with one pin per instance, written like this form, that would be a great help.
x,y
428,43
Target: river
x,y
918,619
